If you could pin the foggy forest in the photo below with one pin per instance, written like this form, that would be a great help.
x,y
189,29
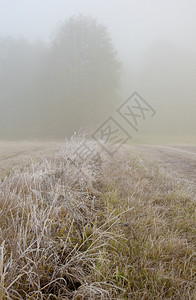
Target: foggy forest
x,y
77,77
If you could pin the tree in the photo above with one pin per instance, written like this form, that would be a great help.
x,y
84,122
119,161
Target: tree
x,y
82,75
51,91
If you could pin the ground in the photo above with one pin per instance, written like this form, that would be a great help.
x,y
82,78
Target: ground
x,y
107,227
181,160
13,153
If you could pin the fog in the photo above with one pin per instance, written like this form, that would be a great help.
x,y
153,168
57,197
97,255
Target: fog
x,y
68,65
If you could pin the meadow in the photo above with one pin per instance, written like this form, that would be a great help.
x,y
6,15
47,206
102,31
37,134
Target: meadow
x,y
103,227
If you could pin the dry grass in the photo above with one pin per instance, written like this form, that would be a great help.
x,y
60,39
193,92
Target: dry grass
x,y
96,228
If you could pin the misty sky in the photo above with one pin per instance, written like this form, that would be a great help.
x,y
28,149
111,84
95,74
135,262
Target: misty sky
x,y
155,40
133,24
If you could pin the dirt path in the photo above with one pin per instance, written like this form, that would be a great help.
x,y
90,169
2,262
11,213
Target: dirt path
x,y
181,160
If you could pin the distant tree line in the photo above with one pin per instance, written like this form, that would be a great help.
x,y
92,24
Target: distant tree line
x,y
53,90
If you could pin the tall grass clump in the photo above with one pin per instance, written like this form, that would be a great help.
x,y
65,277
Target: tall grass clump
x,y
1,271
83,225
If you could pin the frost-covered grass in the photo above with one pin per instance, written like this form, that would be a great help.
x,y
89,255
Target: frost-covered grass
x,y
96,228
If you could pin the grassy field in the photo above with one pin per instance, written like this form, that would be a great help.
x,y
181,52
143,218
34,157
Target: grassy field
x,y
101,227
13,153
